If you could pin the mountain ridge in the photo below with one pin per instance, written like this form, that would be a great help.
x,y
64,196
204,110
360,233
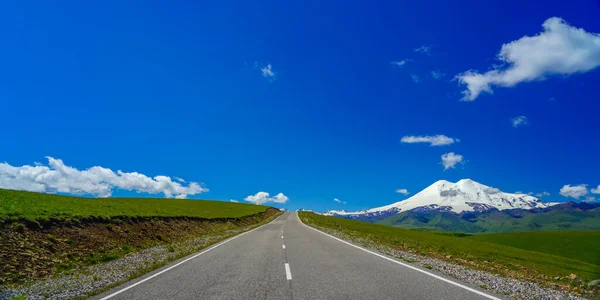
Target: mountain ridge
x,y
465,195
471,207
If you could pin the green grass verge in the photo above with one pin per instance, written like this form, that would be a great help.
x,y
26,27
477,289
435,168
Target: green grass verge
x,y
549,258
16,205
582,245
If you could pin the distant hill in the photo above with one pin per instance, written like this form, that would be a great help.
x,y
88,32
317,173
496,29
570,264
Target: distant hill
x,y
565,216
469,206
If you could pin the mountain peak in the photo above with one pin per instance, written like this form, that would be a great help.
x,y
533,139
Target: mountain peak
x,y
441,182
463,196
467,181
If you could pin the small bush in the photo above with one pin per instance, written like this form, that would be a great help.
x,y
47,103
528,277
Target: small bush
x,y
159,237
19,227
76,222
108,257
35,225
126,248
171,248
52,239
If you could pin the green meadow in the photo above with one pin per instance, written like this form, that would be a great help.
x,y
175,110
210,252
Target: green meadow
x,y
16,205
547,254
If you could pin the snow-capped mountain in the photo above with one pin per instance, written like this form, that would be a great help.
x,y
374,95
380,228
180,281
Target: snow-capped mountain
x,y
465,195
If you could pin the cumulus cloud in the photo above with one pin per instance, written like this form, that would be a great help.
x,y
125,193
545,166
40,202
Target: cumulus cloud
x,y
424,49
233,200
589,199
436,140
267,71
560,49
98,181
415,78
542,194
339,201
450,159
437,74
264,197
401,63
596,190
519,121
575,191
402,191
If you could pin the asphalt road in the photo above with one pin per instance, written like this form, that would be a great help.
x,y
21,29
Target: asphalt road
x,y
286,259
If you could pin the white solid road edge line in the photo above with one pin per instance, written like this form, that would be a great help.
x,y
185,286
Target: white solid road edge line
x,y
184,261
283,246
403,264
288,273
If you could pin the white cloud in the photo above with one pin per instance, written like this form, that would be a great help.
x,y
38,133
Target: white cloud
x,y
561,49
415,78
542,194
233,200
449,160
436,140
596,190
575,192
519,121
264,197
437,74
402,191
339,201
401,63
589,199
98,181
267,72
530,193
424,49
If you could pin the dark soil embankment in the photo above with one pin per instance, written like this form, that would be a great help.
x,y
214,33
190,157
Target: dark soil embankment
x,y
30,251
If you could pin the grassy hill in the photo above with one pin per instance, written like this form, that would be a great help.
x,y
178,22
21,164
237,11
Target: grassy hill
x,y
497,221
532,255
16,205
44,234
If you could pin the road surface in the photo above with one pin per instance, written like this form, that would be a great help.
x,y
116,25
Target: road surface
x,y
286,259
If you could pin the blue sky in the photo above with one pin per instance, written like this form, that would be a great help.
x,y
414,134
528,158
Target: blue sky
x,y
178,89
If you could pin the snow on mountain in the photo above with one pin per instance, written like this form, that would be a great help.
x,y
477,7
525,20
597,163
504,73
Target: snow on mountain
x,y
463,196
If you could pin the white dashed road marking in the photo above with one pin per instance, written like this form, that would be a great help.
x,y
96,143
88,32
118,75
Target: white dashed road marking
x,y
288,273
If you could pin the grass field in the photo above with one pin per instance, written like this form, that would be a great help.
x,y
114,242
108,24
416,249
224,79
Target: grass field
x,y
35,206
582,245
533,255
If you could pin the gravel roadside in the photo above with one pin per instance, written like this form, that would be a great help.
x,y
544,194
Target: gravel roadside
x,y
514,288
88,280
